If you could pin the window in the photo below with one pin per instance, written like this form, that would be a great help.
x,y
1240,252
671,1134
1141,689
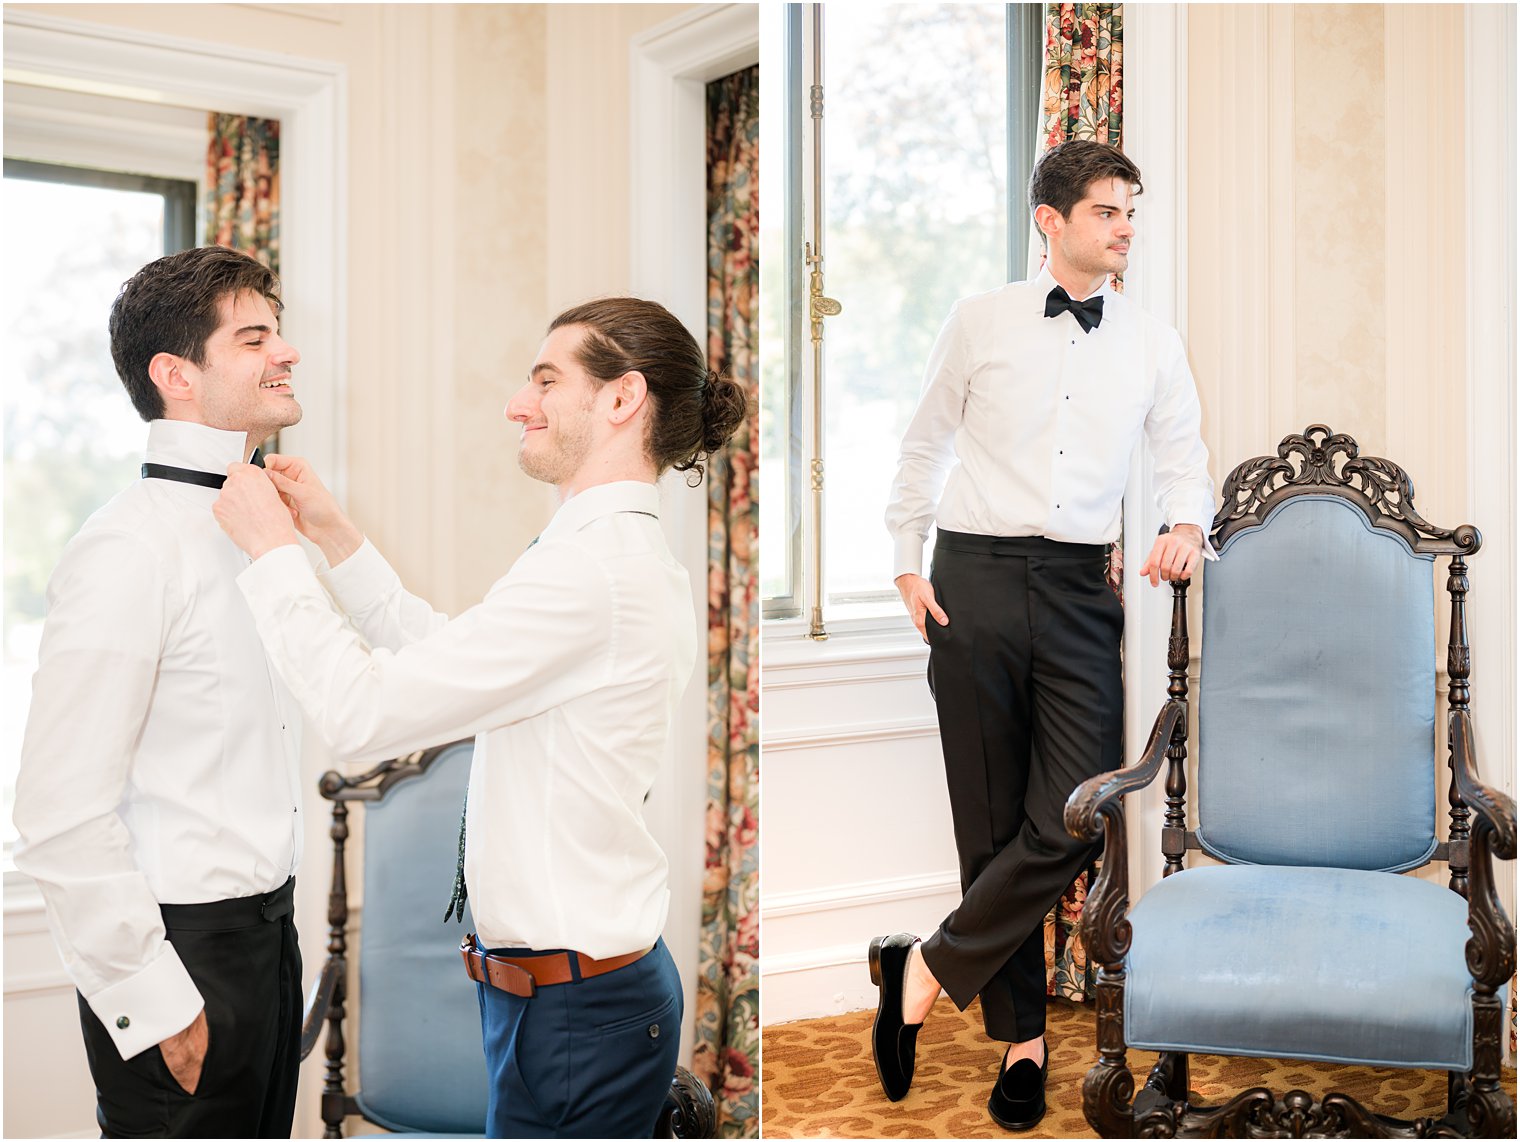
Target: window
x,y
72,439
901,190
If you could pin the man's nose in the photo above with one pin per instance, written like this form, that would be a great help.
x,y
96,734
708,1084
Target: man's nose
x,y
287,354
1126,228
520,406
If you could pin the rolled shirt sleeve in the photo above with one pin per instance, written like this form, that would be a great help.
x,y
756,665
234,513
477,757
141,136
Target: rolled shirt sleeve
x,y
110,607
538,640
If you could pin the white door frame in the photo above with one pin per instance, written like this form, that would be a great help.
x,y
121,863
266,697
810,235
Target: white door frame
x,y
670,67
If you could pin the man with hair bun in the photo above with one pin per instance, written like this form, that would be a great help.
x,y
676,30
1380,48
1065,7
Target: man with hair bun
x,y
568,673
1035,397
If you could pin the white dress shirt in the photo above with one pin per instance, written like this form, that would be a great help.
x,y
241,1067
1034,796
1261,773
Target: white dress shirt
x,y
161,757
568,673
1026,424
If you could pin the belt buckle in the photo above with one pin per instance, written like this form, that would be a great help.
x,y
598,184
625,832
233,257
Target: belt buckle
x,y
483,963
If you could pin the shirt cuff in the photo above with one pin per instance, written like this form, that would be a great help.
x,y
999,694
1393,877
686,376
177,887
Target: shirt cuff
x,y
908,555
277,573
1203,526
145,1009
359,580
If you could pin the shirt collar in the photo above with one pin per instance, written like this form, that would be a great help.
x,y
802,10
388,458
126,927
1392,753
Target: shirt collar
x,y
1044,282
185,444
603,500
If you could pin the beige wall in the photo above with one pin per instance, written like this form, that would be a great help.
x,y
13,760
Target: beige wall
x,y
1325,269
587,107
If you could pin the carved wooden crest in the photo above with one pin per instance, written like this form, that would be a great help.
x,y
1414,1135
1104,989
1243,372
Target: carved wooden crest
x,y
1321,462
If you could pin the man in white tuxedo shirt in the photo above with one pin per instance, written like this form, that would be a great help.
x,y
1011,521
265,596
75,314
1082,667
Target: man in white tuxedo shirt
x,y
1035,397
568,674
158,802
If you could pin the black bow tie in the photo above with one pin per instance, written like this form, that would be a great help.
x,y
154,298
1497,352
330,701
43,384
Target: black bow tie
x,y
191,476
1088,313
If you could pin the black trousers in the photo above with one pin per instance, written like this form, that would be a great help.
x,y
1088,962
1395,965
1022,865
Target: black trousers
x,y
243,957
1026,681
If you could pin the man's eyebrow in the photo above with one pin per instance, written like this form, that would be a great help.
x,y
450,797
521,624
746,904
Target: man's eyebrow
x,y
253,329
1106,206
543,367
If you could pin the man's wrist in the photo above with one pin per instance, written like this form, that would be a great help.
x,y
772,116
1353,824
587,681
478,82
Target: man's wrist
x,y
338,543
259,550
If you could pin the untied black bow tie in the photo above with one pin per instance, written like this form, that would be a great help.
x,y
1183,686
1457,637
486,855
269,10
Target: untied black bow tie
x,y
1088,313
191,476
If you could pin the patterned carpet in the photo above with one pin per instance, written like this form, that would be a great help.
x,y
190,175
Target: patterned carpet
x,y
819,1081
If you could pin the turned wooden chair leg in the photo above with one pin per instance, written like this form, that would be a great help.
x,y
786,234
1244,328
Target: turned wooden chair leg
x,y
1170,1076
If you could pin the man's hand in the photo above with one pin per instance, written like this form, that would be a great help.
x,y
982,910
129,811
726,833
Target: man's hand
x,y
251,512
313,508
918,596
1175,555
185,1052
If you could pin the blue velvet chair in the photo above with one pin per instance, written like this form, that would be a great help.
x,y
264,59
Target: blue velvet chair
x,y
421,1070
1317,737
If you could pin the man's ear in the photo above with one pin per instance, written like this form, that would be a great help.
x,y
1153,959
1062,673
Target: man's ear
x,y
1048,219
628,395
168,374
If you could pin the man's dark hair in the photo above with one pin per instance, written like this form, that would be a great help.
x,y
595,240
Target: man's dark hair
x,y
695,410
1063,174
170,306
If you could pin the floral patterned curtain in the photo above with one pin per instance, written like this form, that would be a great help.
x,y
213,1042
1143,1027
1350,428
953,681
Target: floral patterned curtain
x,y
1084,73
243,186
1084,90
726,1055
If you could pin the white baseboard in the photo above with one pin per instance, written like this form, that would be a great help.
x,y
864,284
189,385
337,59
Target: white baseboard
x,y
814,963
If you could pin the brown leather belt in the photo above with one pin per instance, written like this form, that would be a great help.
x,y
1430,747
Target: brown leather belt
x,y
524,975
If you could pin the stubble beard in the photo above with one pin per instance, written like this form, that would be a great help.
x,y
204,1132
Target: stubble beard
x,y
260,420
557,463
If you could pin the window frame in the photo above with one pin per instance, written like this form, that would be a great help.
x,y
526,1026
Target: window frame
x,y
788,615
181,196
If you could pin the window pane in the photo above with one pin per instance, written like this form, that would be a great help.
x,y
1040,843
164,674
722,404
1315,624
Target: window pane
x,y
72,439
916,207
780,443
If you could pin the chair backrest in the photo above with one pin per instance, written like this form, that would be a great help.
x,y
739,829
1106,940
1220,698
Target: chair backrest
x,y
1316,705
421,1065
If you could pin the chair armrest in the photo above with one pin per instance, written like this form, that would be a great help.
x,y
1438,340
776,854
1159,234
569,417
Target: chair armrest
x,y
1097,805
1494,810
1100,796
319,1002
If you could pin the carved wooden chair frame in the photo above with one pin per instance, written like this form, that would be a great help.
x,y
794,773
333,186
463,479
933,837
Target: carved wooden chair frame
x,y
1318,462
689,1110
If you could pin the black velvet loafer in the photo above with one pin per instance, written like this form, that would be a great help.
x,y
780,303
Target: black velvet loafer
x,y
1018,1096
893,1042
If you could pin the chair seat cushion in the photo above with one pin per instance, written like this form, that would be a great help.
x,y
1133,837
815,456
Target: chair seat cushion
x,y
1337,965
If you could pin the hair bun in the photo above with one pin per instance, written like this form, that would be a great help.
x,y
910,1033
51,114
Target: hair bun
x,y
724,406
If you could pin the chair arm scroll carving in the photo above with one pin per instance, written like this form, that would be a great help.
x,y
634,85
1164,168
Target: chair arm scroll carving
x,y
319,1002
1494,810
1097,805
1099,796
1491,950
689,1110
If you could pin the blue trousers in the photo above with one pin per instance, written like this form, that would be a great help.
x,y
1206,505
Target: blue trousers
x,y
588,1059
